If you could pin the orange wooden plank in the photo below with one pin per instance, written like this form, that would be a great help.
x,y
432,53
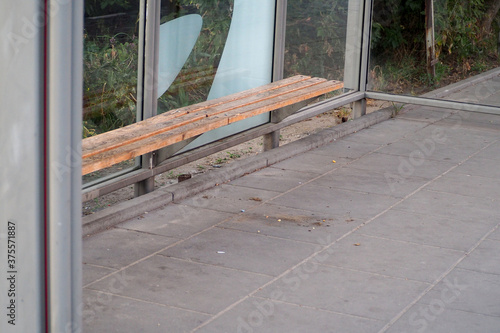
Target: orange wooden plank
x,y
137,148
110,140
158,124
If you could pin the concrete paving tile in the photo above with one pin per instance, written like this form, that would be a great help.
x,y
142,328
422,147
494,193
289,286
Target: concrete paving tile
x,y
468,185
454,206
472,121
229,198
493,100
350,178
184,284
338,203
403,166
490,128
423,318
92,273
176,220
476,117
346,149
111,313
263,315
117,248
428,230
290,223
427,114
469,291
480,166
226,248
311,163
389,257
346,291
485,258
495,234
274,179
417,151
453,136
389,131
492,152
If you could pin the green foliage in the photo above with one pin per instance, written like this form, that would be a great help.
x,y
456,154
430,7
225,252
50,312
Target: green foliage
x,y
315,38
398,59
103,7
110,81
458,28
397,23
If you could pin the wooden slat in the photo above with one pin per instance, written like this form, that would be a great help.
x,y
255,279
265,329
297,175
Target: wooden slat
x,y
148,144
127,134
156,125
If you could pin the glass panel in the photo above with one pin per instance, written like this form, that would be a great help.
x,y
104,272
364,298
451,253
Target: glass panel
x,y
110,70
316,38
407,59
210,49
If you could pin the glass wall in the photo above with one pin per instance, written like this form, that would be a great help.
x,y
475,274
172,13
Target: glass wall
x,y
213,48
110,62
418,47
193,51
209,49
316,38
110,66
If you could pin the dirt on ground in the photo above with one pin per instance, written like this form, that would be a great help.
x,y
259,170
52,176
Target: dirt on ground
x,y
220,159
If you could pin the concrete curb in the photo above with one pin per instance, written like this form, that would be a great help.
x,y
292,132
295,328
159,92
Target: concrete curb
x,y
129,209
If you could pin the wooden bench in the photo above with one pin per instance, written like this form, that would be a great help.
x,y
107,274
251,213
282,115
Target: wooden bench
x,y
178,125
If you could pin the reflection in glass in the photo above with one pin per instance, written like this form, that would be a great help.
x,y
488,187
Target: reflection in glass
x,y
186,74
110,66
110,62
232,52
316,38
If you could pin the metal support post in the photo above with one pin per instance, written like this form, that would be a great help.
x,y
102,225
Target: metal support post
x,y
272,140
149,82
357,51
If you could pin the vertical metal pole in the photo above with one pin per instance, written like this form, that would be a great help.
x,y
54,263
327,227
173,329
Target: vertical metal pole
x,y
141,60
357,51
22,280
150,82
279,40
429,37
76,174
272,140
354,34
64,104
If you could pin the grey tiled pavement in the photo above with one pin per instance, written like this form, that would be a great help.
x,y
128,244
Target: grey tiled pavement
x,y
399,235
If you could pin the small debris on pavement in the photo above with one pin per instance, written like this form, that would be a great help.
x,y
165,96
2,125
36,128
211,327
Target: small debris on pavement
x,y
221,252
183,177
357,244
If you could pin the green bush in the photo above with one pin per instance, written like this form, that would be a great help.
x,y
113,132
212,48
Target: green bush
x,y
110,81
